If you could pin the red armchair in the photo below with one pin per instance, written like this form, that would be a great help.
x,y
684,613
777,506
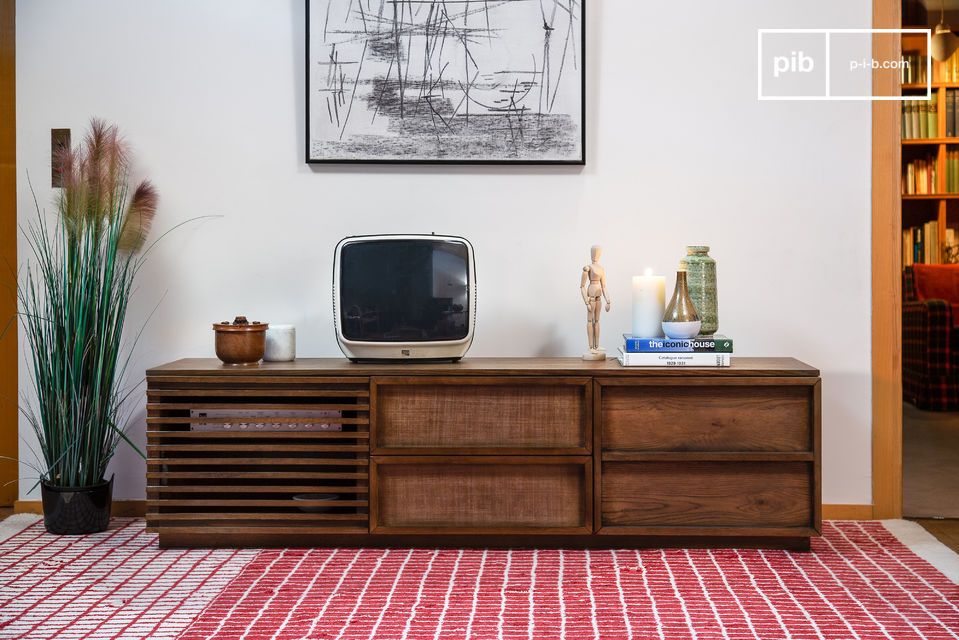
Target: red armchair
x,y
930,336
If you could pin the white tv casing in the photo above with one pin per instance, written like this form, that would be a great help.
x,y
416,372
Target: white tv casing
x,y
433,350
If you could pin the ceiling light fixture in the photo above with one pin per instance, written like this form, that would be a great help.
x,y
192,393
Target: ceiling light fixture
x,y
944,41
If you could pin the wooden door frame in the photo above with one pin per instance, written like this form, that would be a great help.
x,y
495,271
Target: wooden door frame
x,y
886,273
8,255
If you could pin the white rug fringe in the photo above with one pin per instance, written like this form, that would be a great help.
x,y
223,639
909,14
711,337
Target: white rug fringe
x,y
17,523
912,535
926,546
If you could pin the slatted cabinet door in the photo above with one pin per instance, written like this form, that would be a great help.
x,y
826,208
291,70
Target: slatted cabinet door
x,y
202,478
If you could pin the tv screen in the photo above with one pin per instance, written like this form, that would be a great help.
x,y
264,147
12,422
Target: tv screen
x,y
404,290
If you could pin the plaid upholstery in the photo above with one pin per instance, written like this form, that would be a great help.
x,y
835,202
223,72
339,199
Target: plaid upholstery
x,y
908,285
930,350
934,282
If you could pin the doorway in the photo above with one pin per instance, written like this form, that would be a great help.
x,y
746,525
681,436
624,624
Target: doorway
x,y
929,261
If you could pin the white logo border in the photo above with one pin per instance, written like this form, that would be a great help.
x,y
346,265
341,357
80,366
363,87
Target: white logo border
x,y
759,65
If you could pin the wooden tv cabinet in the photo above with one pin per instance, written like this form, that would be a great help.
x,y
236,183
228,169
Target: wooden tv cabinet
x,y
491,452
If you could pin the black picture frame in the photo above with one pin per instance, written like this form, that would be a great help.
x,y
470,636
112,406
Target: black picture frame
x,y
581,161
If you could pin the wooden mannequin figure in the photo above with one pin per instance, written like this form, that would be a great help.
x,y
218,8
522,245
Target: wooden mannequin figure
x,y
592,286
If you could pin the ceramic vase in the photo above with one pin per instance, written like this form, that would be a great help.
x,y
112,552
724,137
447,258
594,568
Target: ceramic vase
x,y
701,279
681,319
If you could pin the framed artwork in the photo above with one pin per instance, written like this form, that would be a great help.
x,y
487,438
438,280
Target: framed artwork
x,y
446,81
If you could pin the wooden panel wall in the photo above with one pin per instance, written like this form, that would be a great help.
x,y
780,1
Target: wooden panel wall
x,y
8,252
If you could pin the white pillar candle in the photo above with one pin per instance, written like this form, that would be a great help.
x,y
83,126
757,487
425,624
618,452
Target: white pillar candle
x,y
649,305
280,343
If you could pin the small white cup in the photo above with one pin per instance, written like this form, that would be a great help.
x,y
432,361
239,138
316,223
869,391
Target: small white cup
x,y
280,343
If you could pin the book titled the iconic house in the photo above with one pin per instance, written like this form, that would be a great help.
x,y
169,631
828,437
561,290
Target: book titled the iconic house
x,y
699,344
701,351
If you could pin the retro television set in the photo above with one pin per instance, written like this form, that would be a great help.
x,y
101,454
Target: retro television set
x,y
404,297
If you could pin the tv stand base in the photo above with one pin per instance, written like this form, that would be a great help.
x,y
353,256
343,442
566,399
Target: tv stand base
x,y
486,453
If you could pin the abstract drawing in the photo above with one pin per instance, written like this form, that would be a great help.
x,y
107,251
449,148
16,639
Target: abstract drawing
x,y
458,81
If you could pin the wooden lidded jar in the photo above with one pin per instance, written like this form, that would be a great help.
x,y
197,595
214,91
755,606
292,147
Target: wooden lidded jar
x,y
241,342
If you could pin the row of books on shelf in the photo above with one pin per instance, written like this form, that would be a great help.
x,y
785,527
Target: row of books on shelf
x,y
952,170
949,70
701,351
920,176
920,118
952,112
915,67
921,245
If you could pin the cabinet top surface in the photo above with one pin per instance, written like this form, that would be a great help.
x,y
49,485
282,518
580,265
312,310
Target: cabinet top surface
x,y
486,366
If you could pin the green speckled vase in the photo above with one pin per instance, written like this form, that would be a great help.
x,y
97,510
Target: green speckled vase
x,y
701,276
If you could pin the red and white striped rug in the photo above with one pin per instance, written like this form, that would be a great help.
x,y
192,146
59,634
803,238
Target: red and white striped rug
x,y
859,582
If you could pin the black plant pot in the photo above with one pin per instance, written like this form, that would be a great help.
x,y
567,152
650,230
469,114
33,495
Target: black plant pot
x,y
76,511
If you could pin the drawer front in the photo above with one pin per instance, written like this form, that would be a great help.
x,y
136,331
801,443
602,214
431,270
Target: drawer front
x,y
702,417
481,415
707,494
505,494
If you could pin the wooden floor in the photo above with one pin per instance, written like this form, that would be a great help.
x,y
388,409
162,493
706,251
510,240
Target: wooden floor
x,y
947,531
930,463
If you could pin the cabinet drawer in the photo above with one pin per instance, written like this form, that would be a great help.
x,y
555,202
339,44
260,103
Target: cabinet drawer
x,y
481,415
704,417
707,494
460,494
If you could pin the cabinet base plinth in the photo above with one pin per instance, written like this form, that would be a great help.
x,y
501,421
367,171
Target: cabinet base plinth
x,y
453,541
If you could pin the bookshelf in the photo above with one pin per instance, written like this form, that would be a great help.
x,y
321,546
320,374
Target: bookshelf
x,y
929,141
936,213
921,86
931,196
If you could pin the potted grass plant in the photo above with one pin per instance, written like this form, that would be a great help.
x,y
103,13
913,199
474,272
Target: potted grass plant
x,y
73,294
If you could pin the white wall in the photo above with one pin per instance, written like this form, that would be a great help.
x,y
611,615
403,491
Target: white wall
x,y
679,152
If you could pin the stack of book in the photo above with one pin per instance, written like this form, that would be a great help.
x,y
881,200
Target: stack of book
x,y
952,112
922,244
920,118
948,70
915,69
952,170
920,176
701,351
